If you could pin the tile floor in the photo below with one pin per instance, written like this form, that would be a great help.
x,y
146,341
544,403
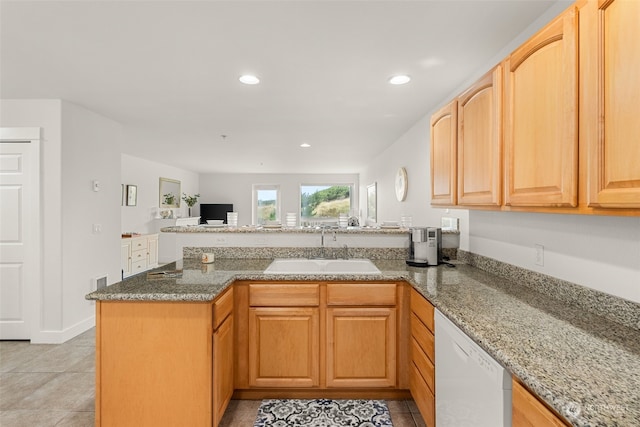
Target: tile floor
x,y
44,385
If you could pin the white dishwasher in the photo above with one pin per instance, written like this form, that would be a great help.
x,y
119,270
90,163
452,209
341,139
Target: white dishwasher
x,y
472,389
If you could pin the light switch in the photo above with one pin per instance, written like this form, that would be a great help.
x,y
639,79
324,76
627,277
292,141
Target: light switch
x,y
96,185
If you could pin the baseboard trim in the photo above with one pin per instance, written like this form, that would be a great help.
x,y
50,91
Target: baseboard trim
x,y
58,337
292,393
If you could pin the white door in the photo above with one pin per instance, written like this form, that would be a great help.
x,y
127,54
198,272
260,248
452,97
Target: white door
x,y
19,236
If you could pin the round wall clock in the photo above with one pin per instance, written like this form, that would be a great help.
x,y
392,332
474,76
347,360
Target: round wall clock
x,y
401,184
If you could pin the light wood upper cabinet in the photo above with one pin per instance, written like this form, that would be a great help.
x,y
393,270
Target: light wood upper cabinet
x,y
541,117
610,101
480,142
444,124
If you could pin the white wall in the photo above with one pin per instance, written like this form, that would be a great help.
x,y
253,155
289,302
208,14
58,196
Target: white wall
x,y
602,253
77,146
238,189
146,175
90,151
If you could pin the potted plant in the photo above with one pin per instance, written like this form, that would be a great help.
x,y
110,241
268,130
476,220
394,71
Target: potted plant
x,y
169,199
190,200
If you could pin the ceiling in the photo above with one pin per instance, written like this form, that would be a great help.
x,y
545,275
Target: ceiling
x,y
168,72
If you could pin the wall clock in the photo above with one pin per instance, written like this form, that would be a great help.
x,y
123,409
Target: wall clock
x,y
401,184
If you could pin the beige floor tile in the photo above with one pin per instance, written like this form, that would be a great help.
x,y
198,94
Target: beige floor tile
x,y
16,353
14,387
66,391
77,419
57,359
240,413
397,406
402,420
22,418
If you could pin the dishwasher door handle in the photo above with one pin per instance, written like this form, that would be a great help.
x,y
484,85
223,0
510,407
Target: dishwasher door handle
x,y
461,351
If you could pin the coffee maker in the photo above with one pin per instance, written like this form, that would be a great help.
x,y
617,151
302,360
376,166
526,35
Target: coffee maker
x,y
426,246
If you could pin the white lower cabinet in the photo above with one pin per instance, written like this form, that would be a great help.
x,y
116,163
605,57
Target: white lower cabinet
x,y
138,254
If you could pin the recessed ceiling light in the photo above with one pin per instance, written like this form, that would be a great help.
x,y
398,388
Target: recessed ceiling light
x,y
305,145
400,79
249,79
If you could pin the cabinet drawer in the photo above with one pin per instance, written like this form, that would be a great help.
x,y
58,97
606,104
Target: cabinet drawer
x,y
222,307
529,412
423,337
138,255
423,396
422,309
138,266
138,244
370,294
424,365
284,295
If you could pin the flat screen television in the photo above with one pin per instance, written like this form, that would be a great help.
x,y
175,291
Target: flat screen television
x,y
214,211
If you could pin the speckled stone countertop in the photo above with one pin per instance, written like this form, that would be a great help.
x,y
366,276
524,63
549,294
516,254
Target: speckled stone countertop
x,y
582,364
254,229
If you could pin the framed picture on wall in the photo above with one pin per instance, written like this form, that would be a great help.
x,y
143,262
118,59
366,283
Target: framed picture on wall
x,y
132,195
372,214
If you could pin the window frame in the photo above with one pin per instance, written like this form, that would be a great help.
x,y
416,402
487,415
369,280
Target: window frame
x,y
256,188
352,199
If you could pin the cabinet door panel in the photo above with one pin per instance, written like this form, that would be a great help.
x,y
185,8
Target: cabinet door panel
x,y
152,251
153,364
541,139
443,155
284,347
614,148
222,368
361,347
480,142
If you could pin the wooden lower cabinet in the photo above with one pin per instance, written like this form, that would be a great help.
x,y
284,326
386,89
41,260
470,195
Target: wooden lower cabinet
x,y
223,354
315,339
153,364
361,347
422,374
163,363
528,411
284,346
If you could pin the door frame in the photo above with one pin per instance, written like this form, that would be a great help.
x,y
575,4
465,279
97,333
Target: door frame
x,y
33,237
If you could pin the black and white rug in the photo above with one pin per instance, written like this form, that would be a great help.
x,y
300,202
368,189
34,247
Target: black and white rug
x,y
323,413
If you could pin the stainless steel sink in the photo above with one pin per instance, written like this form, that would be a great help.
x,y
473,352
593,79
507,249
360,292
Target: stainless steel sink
x,y
321,266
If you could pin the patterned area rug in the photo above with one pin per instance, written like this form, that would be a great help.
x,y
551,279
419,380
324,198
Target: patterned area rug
x,y
323,413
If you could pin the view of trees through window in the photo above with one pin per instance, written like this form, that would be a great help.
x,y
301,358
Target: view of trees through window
x,y
267,204
322,202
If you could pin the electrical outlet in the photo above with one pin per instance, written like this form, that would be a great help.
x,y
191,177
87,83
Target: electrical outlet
x,y
539,254
220,240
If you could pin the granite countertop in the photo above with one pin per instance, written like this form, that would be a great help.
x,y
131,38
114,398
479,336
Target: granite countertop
x,y
203,228
585,366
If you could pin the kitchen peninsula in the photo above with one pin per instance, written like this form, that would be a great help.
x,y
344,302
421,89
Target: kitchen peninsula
x,y
583,365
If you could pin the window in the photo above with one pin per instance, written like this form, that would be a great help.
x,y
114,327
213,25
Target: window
x,y
266,203
324,203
